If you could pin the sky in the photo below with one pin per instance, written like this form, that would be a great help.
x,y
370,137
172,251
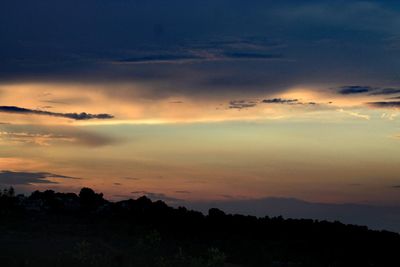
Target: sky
x,y
216,101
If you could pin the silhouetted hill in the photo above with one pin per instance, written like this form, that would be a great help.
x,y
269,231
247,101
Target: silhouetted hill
x,y
65,229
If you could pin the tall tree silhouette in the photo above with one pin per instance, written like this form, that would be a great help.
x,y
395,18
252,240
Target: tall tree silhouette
x,y
90,200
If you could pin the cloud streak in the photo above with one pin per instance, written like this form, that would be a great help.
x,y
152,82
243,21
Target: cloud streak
x,y
33,138
28,178
287,101
385,104
355,114
199,56
161,58
73,116
373,91
386,91
354,89
280,101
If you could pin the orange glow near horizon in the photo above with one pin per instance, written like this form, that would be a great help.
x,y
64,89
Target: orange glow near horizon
x,y
181,144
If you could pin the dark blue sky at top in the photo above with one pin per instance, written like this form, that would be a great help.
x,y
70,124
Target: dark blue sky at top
x,y
193,47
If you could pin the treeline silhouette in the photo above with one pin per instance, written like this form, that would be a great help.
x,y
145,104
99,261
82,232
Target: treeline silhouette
x,y
65,229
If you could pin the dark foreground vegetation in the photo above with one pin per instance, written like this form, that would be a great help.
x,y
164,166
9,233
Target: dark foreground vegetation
x,y
58,229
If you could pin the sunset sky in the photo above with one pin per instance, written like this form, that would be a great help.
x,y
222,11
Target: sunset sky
x,y
210,100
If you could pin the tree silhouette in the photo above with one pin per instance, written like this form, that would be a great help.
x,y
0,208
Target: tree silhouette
x,y
90,200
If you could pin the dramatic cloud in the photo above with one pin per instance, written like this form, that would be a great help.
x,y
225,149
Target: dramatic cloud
x,y
28,178
288,49
73,116
242,104
385,104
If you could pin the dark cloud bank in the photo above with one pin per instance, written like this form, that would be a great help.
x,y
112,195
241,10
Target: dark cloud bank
x,y
248,48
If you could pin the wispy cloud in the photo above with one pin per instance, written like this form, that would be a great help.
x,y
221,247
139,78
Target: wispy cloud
x,y
242,104
73,116
34,138
199,56
48,135
250,55
389,116
355,114
162,58
214,50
